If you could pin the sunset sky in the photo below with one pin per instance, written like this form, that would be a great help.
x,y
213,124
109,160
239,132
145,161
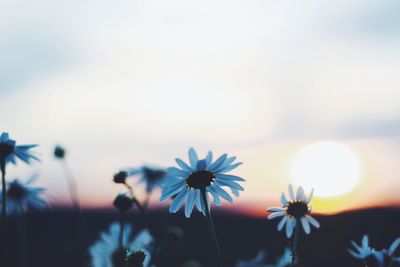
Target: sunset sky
x,y
120,84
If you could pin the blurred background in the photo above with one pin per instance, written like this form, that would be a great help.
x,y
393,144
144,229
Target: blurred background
x,y
303,92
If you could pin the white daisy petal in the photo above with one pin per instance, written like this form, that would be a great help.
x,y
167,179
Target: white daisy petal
x,y
291,193
305,224
276,214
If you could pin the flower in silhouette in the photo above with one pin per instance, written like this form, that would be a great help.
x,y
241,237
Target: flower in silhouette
x,y
59,152
9,151
205,175
107,252
22,196
293,211
152,177
372,257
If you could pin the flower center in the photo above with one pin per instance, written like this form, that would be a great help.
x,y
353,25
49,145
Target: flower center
x,y
297,209
118,257
200,179
16,192
6,149
135,259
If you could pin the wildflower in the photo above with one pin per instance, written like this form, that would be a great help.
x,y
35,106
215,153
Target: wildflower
x,y
135,258
59,152
202,176
22,196
152,177
372,257
9,151
123,203
120,177
107,251
294,211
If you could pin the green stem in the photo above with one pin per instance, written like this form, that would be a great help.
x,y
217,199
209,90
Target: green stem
x,y
211,227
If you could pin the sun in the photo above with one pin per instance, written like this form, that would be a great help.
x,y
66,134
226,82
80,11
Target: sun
x,y
331,168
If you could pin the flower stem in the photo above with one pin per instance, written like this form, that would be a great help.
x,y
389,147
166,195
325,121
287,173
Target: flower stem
x,y
295,253
73,189
211,228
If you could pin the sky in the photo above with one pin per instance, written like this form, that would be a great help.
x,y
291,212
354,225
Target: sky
x,y
139,82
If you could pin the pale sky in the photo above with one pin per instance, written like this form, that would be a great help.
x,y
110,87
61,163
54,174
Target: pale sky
x,y
131,82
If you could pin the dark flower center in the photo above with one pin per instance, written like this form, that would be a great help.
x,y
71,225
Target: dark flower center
x,y
200,179
6,149
153,175
135,259
59,152
297,209
16,191
118,257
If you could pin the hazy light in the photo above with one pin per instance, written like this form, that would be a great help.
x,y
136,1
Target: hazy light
x,y
331,168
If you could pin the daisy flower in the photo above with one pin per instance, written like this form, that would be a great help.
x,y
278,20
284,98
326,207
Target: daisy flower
x,y
9,151
22,196
200,178
107,252
294,211
363,251
372,257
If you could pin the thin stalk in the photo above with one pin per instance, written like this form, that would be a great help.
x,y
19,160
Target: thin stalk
x,y
135,200
73,189
22,241
295,253
211,228
4,194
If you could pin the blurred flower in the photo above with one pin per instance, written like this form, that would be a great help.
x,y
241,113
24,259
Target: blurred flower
x,y
120,177
107,252
258,261
297,209
372,257
9,151
123,203
22,196
59,152
152,177
135,258
187,182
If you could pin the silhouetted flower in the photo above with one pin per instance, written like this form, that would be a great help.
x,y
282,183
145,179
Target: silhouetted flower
x,y
9,151
22,196
187,182
297,209
59,152
123,203
107,252
372,257
135,258
120,177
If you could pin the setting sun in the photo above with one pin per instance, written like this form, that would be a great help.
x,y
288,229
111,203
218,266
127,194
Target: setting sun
x,y
331,168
